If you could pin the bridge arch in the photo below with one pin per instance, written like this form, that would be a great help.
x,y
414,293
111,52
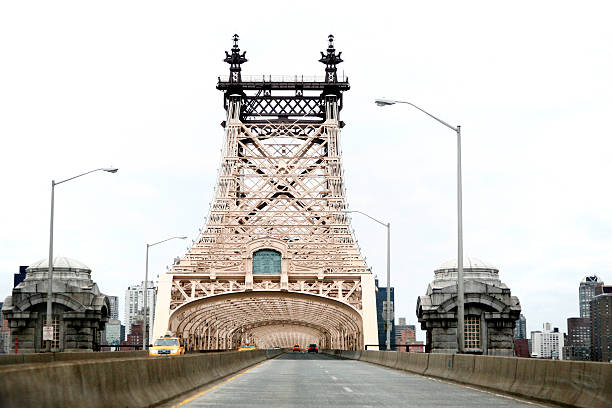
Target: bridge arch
x,y
267,319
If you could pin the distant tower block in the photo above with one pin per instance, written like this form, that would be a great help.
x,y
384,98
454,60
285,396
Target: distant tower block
x,y
277,263
490,310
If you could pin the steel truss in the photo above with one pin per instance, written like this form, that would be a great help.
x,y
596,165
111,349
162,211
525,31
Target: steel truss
x,y
280,186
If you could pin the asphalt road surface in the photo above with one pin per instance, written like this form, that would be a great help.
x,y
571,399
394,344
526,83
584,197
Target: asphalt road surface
x,y
315,380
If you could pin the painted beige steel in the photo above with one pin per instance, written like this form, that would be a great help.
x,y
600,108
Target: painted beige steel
x,y
280,186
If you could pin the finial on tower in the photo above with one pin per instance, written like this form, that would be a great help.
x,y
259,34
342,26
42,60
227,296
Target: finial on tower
x,y
331,60
235,60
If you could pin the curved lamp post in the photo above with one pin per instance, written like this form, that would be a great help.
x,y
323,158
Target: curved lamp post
x,y
50,270
145,337
388,314
460,290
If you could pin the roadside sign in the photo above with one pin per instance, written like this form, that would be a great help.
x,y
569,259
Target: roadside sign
x,y
47,333
388,311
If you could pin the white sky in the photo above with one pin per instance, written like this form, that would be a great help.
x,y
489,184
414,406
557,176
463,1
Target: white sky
x,y
132,84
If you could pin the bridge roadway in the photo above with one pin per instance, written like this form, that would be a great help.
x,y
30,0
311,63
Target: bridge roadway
x,y
316,380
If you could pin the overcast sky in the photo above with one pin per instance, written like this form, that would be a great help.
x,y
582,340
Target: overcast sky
x,y
132,84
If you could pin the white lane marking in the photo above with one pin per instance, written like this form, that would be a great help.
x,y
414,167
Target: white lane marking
x,y
334,378
326,372
347,389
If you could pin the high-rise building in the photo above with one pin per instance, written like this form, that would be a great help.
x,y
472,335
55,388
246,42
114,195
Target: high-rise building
x,y
20,276
381,299
406,334
548,343
520,330
590,287
578,342
521,348
135,336
114,307
601,328
134,305
113,316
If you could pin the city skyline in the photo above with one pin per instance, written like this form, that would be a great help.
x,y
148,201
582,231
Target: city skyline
x,y
532,104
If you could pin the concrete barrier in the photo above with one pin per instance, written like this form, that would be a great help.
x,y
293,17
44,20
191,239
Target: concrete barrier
x,y
130,381
413,362
462,368
596,385
439,365
388,359
351,354
569,383
29,358
370,356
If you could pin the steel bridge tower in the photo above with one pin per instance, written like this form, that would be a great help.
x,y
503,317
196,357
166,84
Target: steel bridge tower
x,y
277,263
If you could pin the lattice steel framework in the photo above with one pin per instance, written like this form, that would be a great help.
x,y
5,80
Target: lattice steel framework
x,y
280,186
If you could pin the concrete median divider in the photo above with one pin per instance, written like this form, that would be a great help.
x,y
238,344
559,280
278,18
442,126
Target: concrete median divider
x,y
129,381
568,383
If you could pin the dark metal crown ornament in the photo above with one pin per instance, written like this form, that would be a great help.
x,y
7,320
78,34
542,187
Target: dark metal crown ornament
x,y
331,60
235,60
266,98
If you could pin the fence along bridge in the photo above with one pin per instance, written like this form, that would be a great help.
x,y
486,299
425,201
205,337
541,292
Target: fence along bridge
x,y
277,262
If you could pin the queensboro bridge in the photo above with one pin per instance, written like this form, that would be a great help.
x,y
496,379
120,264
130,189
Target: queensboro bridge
x,y
276,263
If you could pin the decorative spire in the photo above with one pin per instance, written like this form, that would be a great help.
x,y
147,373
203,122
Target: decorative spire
x,y
235,59
331,60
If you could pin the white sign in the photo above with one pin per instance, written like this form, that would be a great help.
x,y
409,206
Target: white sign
x,y
388,312
47,333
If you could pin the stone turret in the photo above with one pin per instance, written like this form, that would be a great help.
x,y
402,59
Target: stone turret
x,y
79,309
490,309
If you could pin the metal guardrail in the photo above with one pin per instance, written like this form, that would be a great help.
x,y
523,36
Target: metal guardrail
x,y
282,78
407,347
117,347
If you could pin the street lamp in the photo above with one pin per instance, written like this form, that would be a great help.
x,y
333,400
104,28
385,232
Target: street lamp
x,y
460,291
388,314
50,270
145,336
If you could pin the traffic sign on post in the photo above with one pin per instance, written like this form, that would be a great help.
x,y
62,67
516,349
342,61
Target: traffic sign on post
x,y
388,312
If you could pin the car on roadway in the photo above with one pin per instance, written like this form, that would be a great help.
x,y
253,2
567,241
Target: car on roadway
x,y
167,346
312,348
247,347
297,348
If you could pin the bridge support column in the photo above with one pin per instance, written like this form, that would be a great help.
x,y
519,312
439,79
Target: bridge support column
x,y
368,310
162,308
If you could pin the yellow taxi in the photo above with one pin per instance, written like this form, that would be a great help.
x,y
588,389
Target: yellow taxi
x,y
167,346
247,347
